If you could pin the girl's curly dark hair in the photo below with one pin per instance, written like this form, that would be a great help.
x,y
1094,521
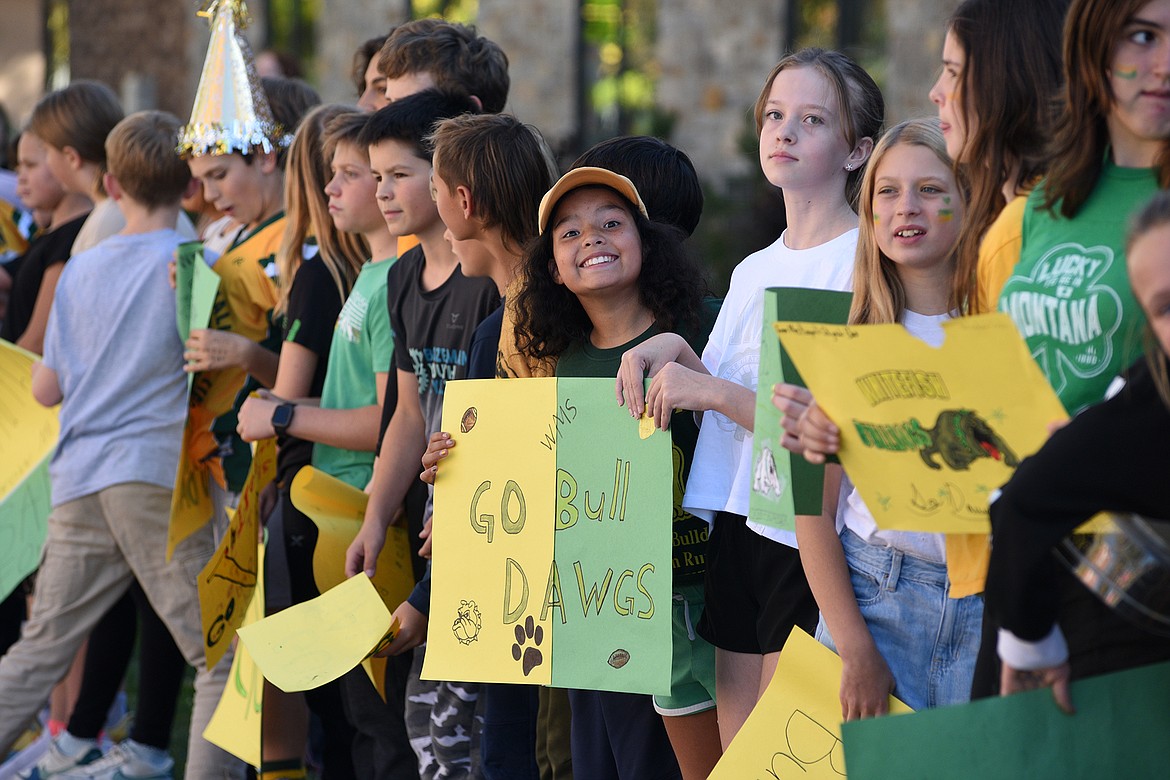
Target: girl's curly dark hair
x,y
671,285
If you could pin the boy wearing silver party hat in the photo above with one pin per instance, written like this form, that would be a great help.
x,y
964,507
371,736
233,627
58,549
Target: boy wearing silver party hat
x,y
233,147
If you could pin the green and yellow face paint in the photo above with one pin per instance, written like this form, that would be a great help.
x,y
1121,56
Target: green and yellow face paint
x,y
1127,72
946,215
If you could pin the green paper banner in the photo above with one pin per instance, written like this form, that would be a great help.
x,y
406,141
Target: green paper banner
x,y
1119,731
784,485
24,522
195,288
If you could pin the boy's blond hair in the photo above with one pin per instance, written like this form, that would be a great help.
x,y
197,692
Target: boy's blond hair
x,y
140,154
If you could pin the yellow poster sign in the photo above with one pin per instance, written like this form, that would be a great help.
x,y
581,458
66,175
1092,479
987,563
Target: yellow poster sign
x,y
927,435
315,642
235,724
795,729
28,435
552,533
191,504
500,491
228,581
337,509
28,431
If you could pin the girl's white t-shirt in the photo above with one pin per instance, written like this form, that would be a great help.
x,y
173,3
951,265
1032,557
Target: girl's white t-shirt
x,y
853,512
721,472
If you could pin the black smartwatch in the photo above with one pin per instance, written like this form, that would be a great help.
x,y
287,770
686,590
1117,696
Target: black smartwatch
x,y
282,417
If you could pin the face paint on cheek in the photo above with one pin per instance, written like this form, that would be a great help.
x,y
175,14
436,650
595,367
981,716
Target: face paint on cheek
x,y
1129,73
876,219
947,199
945,215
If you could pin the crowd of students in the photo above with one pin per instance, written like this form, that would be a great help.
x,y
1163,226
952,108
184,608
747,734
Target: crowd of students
x,y
368,254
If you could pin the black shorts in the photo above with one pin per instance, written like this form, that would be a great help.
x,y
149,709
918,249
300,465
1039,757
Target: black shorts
x,y
756,590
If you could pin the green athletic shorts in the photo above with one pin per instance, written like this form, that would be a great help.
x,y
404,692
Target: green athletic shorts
x,y
692,674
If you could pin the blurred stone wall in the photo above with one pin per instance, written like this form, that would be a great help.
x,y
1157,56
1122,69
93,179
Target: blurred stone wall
x,y
540,39
345,25
22,61
140,49
914,40
714,58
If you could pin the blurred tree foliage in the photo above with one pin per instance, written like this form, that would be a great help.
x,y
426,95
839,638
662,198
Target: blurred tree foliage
x,y
462,11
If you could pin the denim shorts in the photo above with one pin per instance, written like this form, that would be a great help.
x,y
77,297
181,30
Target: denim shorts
x,y
929,641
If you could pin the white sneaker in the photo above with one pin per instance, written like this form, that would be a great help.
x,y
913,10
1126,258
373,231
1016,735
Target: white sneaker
x,y
128,760
66,752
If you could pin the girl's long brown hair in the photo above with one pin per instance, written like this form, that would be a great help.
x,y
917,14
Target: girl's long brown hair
x,y
307,211
1006,95
1091,35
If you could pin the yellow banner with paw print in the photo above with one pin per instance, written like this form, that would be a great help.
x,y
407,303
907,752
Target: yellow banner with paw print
x,y
927,434
551,539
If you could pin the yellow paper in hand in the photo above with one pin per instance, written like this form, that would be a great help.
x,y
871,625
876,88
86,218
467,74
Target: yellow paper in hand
x,y
488,560
235,725
315,642
227,582
337,509
795,729
927,435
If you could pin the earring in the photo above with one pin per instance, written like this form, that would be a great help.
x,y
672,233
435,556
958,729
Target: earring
x,y
849,167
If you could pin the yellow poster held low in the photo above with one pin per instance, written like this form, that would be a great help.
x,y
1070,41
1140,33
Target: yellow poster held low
x,y
228,581
317,641
795,729
337,509
28,435
235,725
927,435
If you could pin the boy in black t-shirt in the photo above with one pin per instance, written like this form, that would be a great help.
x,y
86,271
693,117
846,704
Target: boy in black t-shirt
x,y
434,310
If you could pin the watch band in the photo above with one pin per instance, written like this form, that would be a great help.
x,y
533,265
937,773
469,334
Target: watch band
x,y
282,417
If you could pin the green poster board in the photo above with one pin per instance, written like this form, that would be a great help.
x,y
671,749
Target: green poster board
x,y
195,288
614,562
783,485
1119,731
24,517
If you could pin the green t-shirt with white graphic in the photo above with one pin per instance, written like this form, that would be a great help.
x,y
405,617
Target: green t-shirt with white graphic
x,y
363,345
1069,294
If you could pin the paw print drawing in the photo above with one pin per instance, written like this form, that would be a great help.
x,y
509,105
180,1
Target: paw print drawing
x,y
526,648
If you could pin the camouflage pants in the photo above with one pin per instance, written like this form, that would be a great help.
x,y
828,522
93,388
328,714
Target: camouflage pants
x,y
443,721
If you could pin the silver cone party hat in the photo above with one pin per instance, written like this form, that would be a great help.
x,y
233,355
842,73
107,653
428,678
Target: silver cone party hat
x,y
231,112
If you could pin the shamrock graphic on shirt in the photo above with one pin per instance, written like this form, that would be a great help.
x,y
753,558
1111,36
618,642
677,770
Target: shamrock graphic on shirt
x,y
1065,312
